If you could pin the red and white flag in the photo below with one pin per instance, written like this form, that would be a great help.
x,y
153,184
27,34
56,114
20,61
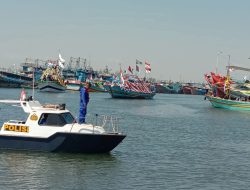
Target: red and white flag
x,y
121,77
23,95
147,67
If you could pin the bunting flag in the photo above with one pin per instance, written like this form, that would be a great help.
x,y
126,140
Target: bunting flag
x,y
130,70
23,95
137,87
147,67
138,62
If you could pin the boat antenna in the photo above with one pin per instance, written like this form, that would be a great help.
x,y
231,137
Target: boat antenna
x,y
33,84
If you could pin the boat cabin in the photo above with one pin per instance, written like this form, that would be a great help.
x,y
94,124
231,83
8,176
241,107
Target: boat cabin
x,y
46,120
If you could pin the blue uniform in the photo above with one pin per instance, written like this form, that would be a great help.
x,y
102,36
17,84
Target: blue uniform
x,y
84,100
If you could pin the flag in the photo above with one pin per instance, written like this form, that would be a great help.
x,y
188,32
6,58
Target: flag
x,y
61,59
121,78
23,95
147,67
137,69
130,70
138,62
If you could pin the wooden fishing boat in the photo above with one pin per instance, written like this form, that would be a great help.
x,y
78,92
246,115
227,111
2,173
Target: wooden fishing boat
x,y
117,91
186,89
230,98
51,86
72,84
132,87
198,90
51,79
96,87
14,80
164,88
237,105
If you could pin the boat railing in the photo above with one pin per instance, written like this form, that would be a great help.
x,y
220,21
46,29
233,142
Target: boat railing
x,y
16,121
109,122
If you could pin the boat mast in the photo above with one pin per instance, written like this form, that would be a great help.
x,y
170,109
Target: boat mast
x,y
228,66
227,82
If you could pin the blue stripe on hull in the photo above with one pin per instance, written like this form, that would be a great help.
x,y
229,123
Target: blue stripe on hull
x,y
64,142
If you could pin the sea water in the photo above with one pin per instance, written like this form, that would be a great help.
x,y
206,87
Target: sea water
x,y
173,142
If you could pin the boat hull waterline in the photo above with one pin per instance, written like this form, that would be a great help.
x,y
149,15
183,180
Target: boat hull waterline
x,y
63,142
51,87
229,104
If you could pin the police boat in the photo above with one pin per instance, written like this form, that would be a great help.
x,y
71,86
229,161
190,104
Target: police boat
x,y
52,128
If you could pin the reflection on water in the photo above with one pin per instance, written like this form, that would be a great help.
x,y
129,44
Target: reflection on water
x,y
173,142
47,170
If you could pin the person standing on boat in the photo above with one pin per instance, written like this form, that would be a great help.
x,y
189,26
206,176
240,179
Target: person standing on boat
x,y
84,100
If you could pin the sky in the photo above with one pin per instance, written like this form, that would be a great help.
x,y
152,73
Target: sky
x,y
181,39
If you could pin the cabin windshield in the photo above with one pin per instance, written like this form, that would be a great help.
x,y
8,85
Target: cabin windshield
x,y
53,119
69,119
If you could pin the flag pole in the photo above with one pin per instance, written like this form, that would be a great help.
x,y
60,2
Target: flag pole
x,y
145,73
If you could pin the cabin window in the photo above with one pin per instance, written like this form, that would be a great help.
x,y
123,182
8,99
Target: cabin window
x,y
52,119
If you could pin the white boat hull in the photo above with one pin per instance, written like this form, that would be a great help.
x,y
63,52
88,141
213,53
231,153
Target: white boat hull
x,y
73,87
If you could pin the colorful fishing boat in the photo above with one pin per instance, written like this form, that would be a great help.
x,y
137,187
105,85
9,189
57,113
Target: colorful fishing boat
x,y
97,86
14,80
199,90
186,89
51,79
225,93
164,88
72,84
119,92
51,86
131,86
237,105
